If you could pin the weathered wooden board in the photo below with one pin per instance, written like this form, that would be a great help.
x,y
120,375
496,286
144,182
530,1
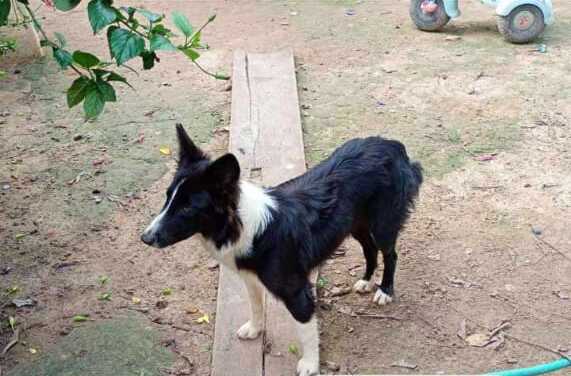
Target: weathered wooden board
x,y
231,356
266,136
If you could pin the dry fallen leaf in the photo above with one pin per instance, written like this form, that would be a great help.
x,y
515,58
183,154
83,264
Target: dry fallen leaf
x,y
203,319
136,300
32,350
165,150
478,339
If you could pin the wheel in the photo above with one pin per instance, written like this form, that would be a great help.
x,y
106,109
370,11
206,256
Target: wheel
x,y
428,21
522,25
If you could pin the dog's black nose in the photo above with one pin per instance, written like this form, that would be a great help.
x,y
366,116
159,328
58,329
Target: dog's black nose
x,y
148,238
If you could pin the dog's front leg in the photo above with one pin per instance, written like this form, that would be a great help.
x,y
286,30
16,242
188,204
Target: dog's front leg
x,y
308,335
255,325
302,307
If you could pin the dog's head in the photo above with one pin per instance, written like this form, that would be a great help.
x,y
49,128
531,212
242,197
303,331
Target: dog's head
x,y
202,198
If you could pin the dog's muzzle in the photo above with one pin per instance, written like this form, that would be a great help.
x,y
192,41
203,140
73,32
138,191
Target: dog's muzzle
x,y
152,238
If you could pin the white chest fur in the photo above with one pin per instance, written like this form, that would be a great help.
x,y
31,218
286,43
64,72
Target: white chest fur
x,y
254,210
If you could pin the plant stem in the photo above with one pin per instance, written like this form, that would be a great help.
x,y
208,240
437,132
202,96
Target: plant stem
x,y
133,29
200,28
47,40
16,10
218,77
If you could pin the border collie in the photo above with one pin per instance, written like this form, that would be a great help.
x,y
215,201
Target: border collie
x,y
274,237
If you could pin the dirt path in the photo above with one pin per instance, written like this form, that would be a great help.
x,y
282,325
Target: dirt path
x,y
488,120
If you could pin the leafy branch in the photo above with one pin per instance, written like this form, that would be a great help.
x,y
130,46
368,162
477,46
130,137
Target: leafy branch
x,y
131,33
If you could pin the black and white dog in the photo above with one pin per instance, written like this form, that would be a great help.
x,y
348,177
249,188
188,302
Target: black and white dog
x,y
274,237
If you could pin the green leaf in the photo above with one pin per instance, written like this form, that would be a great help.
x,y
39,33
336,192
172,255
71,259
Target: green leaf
x,y
76,93
192,54
292,349
85,59
103,279
63,57
5,6
152,17
12,290
167,291
195,41
65,5
101,14
221,76
79,318
110,76
104,296
321,282
124,44
107,91
161,29
182,23
116,77
159,42
94,102
61,39
130,11
149,58
12,322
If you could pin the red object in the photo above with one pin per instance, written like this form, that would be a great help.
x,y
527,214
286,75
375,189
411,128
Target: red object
x,y
428,6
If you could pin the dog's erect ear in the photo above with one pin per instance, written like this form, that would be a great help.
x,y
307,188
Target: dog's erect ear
x,y
223,171
188,152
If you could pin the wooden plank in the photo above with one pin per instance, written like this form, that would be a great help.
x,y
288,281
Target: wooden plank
x,y
266,136
280,156
230,355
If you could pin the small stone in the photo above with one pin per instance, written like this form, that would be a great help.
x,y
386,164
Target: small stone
x,y
65,330
213,265
332,366
161,304
452,38
340,291
536,230
77,137
350,329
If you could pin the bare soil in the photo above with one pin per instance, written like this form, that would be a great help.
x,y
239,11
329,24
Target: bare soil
x,y
489,242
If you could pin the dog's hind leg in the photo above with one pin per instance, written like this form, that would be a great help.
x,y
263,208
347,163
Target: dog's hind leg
x,y
255,325
387,243
370,250
302,306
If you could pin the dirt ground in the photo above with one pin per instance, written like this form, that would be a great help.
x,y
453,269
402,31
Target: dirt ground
x,y
488,244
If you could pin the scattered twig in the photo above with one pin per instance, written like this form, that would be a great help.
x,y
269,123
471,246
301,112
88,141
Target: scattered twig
x,y
181,327
377,316
403,364
186,358
559,353
549,245
15,339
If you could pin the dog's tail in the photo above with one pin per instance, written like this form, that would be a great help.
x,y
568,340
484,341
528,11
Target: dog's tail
x,y
407,179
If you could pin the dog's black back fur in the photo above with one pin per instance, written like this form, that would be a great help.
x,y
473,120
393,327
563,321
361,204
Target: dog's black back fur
x,y
365,188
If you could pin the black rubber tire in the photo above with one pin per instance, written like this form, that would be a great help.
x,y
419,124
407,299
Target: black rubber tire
x,y
516,36
428,22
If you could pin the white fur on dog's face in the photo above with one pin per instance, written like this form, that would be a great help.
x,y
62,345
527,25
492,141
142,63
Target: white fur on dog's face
x,y
155,225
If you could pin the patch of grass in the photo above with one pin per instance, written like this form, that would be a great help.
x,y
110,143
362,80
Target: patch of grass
x,y
454,136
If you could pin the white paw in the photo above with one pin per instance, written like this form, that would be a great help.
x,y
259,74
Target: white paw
x,y
248,331
362,286
307,367
381,298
